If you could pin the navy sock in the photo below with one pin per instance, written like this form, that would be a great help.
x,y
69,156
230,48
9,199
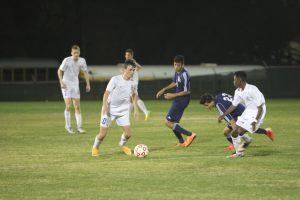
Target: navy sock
x,y
179,136
261,131
179,129
228,137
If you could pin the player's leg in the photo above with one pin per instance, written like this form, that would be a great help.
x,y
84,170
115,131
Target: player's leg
x,y
268,132
76,104
143,108
67,114
236,140
124,122
227,134
176,133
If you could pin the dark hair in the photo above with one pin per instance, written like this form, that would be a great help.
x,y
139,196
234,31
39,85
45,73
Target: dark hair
x,y
129,62
129,51
206,98
179,59
75,47
240,74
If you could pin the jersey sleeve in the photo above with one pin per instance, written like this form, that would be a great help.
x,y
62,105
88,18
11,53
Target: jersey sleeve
x,y
221,108
84,65
236,99
111,84
186,82
257,96
63,66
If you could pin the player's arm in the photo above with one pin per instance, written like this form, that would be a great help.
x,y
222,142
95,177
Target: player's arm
x,y
105,102
60,77
135,106
178,94
87,80
227,112
138,66
162,91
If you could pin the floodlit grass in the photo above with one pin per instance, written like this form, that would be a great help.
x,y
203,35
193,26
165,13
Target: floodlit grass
x,y
40,161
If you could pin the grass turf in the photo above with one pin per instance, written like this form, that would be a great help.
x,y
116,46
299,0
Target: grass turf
x,y
40,161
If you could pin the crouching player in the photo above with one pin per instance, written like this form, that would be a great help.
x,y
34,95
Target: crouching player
x,y
116,106
222,102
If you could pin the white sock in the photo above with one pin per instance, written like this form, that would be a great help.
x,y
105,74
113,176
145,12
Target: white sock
x,y
97,142
142,106
68,119
246,138
236,142
123,140
78,120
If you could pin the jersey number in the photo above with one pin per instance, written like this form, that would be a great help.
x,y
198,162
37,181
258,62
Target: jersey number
x,y
227,97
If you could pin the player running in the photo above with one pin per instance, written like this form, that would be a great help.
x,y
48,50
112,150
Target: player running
x,y
181,99
222,102
116,106
68,77
129,56
252,117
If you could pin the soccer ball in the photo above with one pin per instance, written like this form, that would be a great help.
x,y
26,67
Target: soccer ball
x,y
141,150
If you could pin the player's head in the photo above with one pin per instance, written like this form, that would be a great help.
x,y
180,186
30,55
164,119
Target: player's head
x,y
128,54
75,52
178,63
129,67
239,79
207,100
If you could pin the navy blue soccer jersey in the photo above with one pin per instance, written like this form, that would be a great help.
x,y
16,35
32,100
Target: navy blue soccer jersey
x,y
223,102
183,83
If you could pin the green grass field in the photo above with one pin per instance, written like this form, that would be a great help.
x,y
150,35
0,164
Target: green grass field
x,y
40,161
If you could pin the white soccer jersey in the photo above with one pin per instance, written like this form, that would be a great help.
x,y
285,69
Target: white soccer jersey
x,y
121,91
71,69
250,96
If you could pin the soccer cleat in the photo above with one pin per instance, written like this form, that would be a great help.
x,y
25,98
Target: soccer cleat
x,y
180,145
270,134
190,139
236,155
80,130
147,116
95,152
69,130
126,150
229,148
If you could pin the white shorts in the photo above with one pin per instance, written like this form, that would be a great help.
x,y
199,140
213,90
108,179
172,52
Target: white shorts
x,y
106,120
71,93
249,116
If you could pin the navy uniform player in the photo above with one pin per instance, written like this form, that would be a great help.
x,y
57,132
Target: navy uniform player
x,y
222,102
181,99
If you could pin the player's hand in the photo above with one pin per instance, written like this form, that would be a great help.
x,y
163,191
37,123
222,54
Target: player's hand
x,y
220,118
88,88
63,85
253,124
169,96
160,93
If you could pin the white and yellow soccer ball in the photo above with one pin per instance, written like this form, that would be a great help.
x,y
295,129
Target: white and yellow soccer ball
x,y
141,150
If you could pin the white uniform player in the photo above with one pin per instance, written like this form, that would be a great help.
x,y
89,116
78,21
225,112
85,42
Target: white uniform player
x,y
68,77
252,98
116,106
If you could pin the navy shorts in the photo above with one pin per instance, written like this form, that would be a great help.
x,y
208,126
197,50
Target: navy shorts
x,y
176,111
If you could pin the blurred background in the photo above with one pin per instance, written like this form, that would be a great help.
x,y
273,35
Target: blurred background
x,y
217,38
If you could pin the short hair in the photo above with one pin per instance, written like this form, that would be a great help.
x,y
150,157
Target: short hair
x,y
206,98
129,51
241,74
179,59
129,62
75,47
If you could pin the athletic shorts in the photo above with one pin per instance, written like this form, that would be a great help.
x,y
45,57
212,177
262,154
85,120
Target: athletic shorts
x,y
107,119
71,92
248,116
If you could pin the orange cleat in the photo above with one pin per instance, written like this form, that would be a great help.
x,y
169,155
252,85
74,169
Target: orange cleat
x,y
229,148
190,139
270,134
180,145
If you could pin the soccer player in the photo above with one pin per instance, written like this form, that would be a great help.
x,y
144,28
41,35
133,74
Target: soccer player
x,y
68,77
222,102
181,99
129,56
252,117
116,106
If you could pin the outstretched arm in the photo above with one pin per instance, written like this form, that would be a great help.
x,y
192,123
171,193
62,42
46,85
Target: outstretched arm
x,y
228,111
162,91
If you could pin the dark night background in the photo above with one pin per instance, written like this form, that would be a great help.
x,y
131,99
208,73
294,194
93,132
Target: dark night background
x,y
224,32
